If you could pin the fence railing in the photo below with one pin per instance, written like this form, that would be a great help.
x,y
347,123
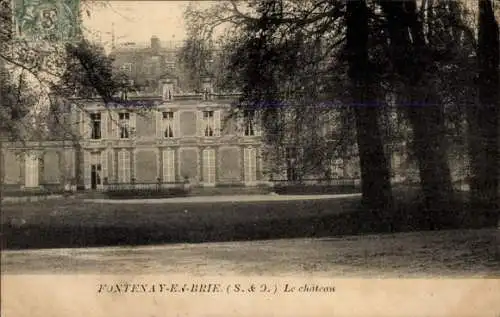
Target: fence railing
x,y
318,181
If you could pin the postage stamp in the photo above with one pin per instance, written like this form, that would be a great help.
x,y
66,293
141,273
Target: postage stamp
x,y
52,20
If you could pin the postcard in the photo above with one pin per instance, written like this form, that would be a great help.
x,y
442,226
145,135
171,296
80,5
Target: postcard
x,y
249,158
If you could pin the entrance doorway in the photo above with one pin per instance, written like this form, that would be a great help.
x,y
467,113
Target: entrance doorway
x,y
95,176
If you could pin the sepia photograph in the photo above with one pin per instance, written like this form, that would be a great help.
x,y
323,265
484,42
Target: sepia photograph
x,y
250,158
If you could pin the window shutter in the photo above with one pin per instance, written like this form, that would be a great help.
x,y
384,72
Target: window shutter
x,y
104,124
81,123
128,175
258,123
104,165
177,125
253,165
199,123
115,129
165,166
111,168
159,126
87,168
246,164
86,125
217,123
132,123
259,168
120,167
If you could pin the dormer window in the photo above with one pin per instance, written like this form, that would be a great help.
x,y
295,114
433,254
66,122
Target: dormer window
x,y
167,90
206,87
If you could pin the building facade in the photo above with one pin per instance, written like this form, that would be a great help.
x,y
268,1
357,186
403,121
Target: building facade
x,y
172,139
156,135
167,139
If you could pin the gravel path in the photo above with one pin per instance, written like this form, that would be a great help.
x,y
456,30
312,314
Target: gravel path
x,y
456,253
233,198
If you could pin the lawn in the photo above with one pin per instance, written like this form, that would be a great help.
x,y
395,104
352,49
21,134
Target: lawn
x,y
75,223
71,223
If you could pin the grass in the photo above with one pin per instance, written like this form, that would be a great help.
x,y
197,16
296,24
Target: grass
x,y
51,224
71,223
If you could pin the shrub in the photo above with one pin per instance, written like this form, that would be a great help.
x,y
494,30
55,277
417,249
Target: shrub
x,y
146,193
33,192
300,189
230,185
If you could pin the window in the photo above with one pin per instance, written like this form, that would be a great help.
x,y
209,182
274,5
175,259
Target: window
x,y
124,166
291,164
124,121
337,168
168,166
250,163
208,123
31,170
170,65
95,119
249,116
126,67
168,124
209,166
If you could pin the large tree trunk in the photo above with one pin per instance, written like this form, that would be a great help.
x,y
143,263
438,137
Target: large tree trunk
x,y
484,120
375,175
430,148
411,61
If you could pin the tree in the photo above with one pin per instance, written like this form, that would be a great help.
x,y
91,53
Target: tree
x,y
287,61
376,186
484,117
194,59
423,55
40,79
413,61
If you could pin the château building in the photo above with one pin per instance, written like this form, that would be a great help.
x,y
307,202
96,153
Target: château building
x,y
156,135
169,139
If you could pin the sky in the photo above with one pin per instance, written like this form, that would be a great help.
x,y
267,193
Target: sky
x,y
137,21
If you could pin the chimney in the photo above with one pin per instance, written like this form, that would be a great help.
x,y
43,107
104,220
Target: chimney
x,y
206,87
155,44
